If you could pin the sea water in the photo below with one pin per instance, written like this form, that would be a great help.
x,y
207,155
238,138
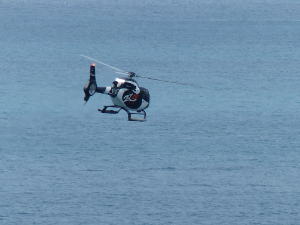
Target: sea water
x,y
224,150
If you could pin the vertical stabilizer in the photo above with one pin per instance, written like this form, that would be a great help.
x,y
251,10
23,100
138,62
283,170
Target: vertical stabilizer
x,y
93,72
91,86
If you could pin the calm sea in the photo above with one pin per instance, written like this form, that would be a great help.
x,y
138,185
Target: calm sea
x,y
224,151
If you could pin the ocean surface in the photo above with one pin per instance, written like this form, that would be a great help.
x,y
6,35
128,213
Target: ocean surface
x,y
223,151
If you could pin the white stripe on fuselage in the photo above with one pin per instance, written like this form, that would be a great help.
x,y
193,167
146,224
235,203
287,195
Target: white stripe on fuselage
x,y
107,90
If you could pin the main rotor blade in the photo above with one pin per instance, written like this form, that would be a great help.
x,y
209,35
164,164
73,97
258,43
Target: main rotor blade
x,y
123,73
166,81
103,63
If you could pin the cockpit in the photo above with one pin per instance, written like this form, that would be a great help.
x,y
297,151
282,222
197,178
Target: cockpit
x,y
128,83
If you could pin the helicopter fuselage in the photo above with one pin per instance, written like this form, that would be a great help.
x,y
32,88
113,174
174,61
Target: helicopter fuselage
x,y
126,94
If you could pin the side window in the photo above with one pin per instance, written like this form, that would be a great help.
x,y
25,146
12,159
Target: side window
x,y
118,85
115,83
129,85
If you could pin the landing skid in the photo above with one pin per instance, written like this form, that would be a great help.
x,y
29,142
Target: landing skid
x,y
130,118
105,110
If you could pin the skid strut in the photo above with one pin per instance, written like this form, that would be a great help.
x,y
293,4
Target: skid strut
x,y
142,112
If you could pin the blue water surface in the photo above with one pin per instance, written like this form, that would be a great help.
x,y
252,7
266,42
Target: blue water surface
x,y
223,151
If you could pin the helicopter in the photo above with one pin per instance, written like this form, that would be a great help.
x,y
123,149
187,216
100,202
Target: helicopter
x,y
125,92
